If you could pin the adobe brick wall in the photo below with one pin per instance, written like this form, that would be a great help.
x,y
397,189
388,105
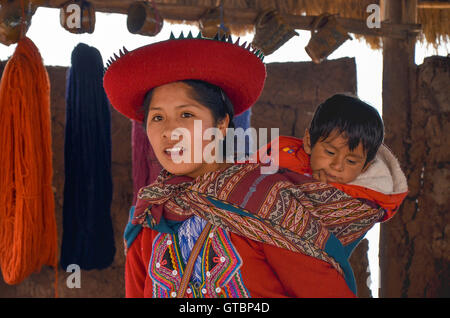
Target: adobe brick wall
x,y
414,245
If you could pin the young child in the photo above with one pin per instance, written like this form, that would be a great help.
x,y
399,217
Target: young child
x,y
343,147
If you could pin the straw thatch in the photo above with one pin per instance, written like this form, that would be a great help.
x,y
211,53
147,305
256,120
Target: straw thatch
x,y
435,26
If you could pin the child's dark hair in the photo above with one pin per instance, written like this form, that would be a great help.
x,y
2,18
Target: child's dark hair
x,y
209,95
357,120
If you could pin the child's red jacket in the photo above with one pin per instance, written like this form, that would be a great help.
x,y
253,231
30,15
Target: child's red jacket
x,y
383,183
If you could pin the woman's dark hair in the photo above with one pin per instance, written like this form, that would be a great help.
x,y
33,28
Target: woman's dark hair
x,y
357,120
208,95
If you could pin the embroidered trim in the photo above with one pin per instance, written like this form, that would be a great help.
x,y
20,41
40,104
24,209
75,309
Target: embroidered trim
x,y
221,264
165,265
220,267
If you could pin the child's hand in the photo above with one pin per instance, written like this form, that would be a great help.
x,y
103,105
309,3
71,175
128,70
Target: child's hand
x,y
320,175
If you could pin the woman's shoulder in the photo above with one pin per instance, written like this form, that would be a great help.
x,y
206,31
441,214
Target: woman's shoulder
x,y
245,177
268,171
135,232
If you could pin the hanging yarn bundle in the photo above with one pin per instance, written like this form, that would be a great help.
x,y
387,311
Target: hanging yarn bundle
x,y
146,167
28,236
88,239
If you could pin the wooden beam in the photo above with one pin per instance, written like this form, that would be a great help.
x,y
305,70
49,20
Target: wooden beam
x,y
433,5
248,17
398,77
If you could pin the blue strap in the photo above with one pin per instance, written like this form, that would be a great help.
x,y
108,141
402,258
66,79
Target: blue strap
x,y
349,248
335,249
164,226
131,230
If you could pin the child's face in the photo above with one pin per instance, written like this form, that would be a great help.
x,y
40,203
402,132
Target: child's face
x,y
332,159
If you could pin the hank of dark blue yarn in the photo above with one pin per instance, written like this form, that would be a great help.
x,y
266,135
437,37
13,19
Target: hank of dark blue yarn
x,y
88,237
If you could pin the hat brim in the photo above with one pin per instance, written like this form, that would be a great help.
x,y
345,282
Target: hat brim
x,y
239,72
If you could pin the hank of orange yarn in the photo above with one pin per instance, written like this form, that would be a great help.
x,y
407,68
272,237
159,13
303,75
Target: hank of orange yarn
x,y
28,237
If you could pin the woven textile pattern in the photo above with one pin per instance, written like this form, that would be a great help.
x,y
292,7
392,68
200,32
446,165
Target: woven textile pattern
x,y
286,209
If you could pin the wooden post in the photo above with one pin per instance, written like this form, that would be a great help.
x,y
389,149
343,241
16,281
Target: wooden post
x,y
398,73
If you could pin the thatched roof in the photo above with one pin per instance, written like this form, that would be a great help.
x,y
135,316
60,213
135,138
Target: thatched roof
x,y
433,16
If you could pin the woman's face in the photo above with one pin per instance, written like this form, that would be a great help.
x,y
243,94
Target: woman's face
x,y
172,110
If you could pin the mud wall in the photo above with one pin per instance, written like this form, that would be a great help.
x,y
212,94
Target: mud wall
x,y
414,246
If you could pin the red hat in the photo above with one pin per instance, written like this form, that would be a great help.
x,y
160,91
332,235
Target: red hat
x,y
238,70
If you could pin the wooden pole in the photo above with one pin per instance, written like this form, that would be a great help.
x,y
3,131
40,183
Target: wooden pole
x,y
433,5
398,74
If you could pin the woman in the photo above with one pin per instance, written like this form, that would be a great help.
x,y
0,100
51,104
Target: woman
x,y
211,228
